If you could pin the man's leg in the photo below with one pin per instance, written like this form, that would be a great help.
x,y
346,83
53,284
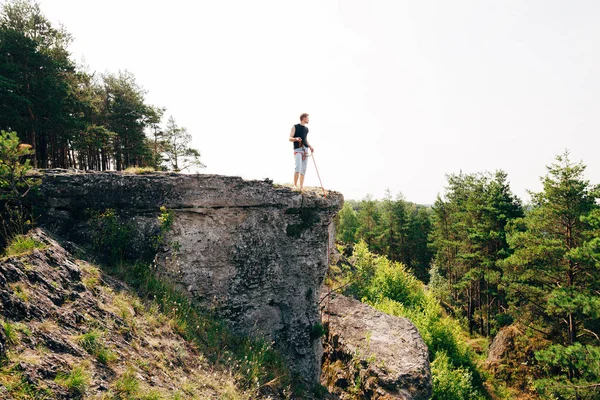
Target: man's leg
x,y
304,164
298,165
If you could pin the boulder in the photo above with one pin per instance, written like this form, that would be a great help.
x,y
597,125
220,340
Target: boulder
x,y
371,353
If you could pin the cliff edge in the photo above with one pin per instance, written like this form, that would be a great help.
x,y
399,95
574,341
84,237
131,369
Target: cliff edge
x,y
253,252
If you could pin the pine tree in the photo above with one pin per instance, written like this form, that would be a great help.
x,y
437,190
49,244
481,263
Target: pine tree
x,y
468,237
347,224
368,217
552,272
553,279
178,153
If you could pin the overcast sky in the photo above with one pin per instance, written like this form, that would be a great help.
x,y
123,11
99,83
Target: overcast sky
x,y
400,93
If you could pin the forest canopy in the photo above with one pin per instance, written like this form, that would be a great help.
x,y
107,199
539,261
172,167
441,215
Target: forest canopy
x,y
73,118
503,269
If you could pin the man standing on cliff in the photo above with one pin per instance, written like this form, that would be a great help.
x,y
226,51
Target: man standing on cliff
x,y
298,135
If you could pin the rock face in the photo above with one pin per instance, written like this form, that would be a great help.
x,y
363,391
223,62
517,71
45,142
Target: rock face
x,y
372,354
253,252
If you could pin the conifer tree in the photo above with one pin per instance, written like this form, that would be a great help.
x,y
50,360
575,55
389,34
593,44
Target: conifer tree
x,y
177,151
552,273
347,224
553,279
369,218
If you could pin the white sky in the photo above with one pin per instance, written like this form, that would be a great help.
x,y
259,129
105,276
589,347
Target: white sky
x,y
400,93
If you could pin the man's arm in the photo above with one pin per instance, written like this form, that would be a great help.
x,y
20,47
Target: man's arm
x,y
308,144
292,133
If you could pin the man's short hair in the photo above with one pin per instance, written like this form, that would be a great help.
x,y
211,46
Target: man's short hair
x,y
303,116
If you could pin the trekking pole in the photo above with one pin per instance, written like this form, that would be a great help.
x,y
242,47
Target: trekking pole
x,y
317,169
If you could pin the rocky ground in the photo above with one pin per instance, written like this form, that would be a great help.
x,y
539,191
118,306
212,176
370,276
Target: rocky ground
x,y
70,331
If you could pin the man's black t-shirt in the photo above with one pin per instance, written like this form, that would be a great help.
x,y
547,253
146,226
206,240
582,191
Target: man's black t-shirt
x,y
301,131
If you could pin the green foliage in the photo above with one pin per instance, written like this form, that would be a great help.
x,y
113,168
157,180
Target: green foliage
x,y
469,239
388,287
140,170
574,372
178,155
553,278
395,228
347,224
317,331
126,385
368,217
110,236
77,380
20,245
74,118
166,219
451,383
11,332
18,386
15,183
20,292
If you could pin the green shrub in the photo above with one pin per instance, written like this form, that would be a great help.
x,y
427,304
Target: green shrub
x,y
572,372
139,170
20,292
377,278
15,183
110,237
390,288
449,382
106,356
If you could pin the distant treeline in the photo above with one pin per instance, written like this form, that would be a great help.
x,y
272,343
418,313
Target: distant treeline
x,y
494,263
73,118
396,228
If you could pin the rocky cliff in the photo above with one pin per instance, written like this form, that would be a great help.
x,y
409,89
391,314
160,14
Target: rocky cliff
x,y
253,252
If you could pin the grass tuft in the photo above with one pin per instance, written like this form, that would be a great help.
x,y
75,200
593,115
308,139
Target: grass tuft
x,y
14,331
139,170
12,336
93,343
20,291
21,245
76,381
127,384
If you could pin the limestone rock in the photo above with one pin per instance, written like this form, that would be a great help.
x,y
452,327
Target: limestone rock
x,y
254,252
378,355
502,345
